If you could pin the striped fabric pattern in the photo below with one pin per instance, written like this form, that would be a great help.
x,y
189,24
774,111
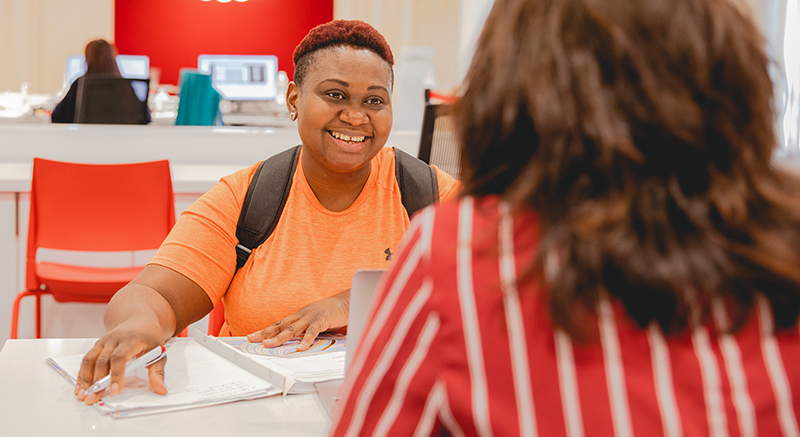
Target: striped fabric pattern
x,y
452,344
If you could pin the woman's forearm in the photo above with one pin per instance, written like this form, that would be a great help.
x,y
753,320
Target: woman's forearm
x,y
144,305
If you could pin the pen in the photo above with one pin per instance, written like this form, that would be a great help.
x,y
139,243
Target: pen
x,y
147,359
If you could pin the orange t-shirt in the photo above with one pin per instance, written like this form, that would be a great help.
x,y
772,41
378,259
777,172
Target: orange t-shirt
x,y
311,254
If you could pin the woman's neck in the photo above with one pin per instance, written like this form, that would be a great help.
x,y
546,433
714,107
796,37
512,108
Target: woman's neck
x,y
335,191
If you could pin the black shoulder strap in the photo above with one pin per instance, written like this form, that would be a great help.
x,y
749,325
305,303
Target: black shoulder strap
x,y
419,186
264,202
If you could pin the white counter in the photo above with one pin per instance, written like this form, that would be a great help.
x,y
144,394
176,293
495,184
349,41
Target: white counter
x,y
198,157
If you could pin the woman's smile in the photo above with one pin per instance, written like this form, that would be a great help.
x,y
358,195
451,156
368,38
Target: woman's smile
x,y
349,142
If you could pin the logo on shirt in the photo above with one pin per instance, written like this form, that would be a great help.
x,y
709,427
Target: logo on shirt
x,y
388,253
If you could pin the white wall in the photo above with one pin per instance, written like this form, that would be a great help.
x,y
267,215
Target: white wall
x,y
37,35
780,22
412,23
472,14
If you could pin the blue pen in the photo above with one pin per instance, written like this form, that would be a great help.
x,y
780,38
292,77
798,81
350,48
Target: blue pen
x,y
145,360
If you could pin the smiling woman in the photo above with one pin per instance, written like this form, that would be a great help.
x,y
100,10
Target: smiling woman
x,y
344,212
344,116
344,110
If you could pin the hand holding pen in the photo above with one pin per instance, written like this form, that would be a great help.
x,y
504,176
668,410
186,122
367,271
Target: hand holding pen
x,y
93,393
133,365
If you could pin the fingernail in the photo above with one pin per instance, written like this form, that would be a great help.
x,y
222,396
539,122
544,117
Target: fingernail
x,y
81,392
114,388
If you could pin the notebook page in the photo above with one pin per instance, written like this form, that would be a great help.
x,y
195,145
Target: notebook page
x,y
193,375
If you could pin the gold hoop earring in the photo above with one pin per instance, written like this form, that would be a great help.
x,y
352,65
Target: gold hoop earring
x,y
292,116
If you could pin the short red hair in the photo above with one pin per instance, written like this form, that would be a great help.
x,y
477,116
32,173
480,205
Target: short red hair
x,y
344,32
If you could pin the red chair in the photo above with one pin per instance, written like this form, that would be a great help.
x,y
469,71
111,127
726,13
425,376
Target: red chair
x,y
94,208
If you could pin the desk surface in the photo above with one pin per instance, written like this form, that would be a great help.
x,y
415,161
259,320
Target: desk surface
x,y
36,400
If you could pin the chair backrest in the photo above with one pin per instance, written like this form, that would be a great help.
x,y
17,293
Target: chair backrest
x,y
438,144
199,101
112,100
98,208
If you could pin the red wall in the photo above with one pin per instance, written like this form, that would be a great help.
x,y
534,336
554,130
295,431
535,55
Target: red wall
x,y
174,32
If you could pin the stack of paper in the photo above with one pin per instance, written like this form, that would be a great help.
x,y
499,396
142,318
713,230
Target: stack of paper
x,y
194,376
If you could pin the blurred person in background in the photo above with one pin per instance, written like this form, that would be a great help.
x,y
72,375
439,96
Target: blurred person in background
x,y
101,58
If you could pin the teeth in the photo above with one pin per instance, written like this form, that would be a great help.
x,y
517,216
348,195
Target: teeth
x,y
344,137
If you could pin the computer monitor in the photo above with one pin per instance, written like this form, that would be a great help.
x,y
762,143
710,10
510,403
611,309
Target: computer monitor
x,y
130,66
241,77
134,66
75,68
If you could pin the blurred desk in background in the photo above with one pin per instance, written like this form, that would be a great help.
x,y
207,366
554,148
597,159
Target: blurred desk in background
x,y
25,119
22,107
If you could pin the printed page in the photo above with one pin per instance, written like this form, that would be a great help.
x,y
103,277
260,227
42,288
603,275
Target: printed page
x,y
193,375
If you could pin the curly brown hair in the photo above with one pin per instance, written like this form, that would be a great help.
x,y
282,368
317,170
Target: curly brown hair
x,y
354,33
641,132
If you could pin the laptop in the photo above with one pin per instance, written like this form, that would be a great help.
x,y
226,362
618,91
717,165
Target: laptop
x,y
365,283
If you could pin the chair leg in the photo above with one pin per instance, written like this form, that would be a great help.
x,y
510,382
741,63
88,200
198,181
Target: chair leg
x,y
38,315
15,316
15,312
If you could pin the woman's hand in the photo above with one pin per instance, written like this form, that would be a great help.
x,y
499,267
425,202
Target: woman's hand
x,y
142,315
311,320
112,352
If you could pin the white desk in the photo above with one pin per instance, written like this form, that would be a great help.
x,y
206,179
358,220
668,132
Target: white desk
x,y
37,401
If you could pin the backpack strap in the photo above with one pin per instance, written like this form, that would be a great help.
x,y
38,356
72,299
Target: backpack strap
x,y
264,202
419,186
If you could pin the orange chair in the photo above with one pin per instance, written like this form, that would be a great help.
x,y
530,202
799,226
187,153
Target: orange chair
x,y
215,319
94,208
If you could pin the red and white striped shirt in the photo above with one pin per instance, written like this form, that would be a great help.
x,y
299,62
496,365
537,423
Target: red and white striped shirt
x,y
452,343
